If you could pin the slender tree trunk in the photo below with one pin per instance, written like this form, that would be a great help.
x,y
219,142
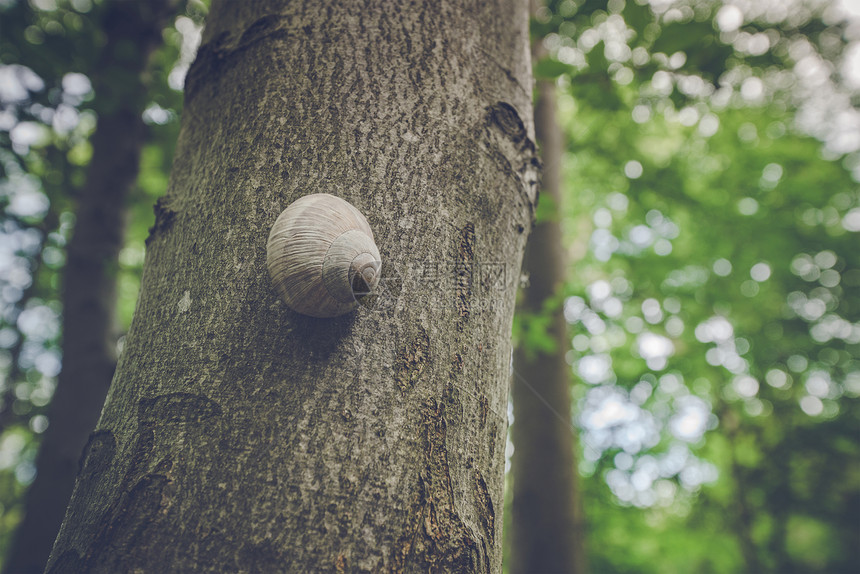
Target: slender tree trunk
x,y
133,30
743,510
547,526
241,436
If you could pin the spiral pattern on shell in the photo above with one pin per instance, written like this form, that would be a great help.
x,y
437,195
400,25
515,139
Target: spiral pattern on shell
x,y
321,256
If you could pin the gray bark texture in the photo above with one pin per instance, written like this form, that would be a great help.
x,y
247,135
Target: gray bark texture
x,y
547,530
132,32
239,436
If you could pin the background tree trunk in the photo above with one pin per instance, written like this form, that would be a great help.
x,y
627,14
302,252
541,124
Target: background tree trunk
x,y
133,31
238,435
547,532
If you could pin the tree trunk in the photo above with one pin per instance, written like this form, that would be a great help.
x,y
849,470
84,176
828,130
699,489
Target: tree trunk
x,y
240,436
133,30
547,532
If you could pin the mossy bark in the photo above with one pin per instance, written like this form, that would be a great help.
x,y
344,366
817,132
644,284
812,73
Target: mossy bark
x,y
241,436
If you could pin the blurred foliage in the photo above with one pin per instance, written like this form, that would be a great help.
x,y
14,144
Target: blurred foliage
x,y
712,212
713,299
48,51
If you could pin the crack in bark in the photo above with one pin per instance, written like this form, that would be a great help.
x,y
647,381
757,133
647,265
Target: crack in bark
x,y
164,217
411,361
508,120
439,540
341,564
487,514
484,403
515,152
465,256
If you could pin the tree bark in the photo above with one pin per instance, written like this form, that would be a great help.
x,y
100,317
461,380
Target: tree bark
x,y
240,436
547,531
133,30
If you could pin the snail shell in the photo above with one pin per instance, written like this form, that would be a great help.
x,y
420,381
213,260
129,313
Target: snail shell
x,y
321,256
